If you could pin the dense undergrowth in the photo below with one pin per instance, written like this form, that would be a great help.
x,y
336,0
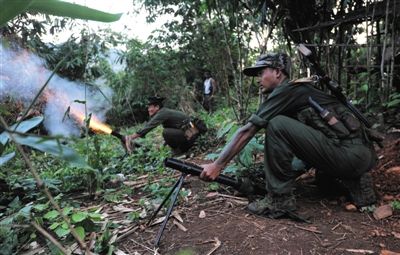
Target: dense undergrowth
x,y
22,202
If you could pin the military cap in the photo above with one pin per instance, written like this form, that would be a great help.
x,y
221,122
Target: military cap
x,y
279,61
155,100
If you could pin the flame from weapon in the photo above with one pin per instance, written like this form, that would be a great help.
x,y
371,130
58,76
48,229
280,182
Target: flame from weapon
x,y
95,125
77,113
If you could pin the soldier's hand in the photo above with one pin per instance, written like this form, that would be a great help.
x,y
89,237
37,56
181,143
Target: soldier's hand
x,y
128,140
210,172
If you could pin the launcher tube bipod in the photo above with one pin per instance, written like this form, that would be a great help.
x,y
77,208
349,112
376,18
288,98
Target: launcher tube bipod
x,y
189,168
174,191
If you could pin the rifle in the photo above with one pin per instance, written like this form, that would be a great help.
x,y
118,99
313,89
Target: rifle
x,y
336,90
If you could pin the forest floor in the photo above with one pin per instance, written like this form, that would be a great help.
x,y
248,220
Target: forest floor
x,y
218,223
206,222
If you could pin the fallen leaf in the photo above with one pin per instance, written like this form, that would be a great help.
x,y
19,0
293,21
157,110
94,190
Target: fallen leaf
x,y
202,214
397,235
360,251
180,226
123,209
382,212
394,170
212,194
119,252
351,208
348,228
387,252
177,216
387,198
217,244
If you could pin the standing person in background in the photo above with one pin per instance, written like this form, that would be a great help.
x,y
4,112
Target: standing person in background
x,y
210,87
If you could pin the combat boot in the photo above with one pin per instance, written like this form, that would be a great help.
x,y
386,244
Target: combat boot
x,y
273,205
246,186
361,190
250,187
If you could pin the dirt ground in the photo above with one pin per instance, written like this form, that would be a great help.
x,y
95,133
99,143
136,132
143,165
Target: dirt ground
x,y
218,223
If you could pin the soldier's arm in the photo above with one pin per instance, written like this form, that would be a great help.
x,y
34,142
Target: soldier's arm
x,y
238,142
153,123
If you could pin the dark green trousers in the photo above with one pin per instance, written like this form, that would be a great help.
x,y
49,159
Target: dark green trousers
x,y
287,138
175,138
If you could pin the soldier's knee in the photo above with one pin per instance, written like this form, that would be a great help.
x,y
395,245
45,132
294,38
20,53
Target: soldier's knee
x,y
279,123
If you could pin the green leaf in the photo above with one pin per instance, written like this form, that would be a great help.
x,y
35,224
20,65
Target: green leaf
x,y
81,232
53,147
40,207
212,156
79,216
54,225
23,127
230,169
395,204
67,210
61,232
51,215
4,159
246,155
224,130
25,212
75,11
392,103
364,88
214,186
11,8
95,216
64,225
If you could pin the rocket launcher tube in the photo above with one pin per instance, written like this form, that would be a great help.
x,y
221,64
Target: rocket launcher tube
x,y
118,135
122,139
193,169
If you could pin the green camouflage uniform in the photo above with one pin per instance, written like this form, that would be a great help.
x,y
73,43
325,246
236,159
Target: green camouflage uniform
x,y
287,137
337,147
172,121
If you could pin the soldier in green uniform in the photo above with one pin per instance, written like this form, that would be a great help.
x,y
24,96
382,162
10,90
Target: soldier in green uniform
x,y
294,129
175,125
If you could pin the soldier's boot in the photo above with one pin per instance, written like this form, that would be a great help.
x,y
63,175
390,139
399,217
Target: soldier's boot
x,y
246,186
361,190
274,206
251,187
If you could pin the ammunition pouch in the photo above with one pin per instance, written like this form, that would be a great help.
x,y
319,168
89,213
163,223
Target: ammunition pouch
x,y
346,127
193,127
311,118
350,121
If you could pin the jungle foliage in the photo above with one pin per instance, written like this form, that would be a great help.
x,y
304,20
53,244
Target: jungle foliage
x,y
216,35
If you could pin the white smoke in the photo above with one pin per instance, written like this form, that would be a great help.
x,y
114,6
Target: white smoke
x,y
22,74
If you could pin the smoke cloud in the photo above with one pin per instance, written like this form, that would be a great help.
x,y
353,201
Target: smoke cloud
x,y
22,74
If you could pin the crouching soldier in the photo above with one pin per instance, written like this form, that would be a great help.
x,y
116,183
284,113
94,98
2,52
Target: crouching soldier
x,y
180,131
294,128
